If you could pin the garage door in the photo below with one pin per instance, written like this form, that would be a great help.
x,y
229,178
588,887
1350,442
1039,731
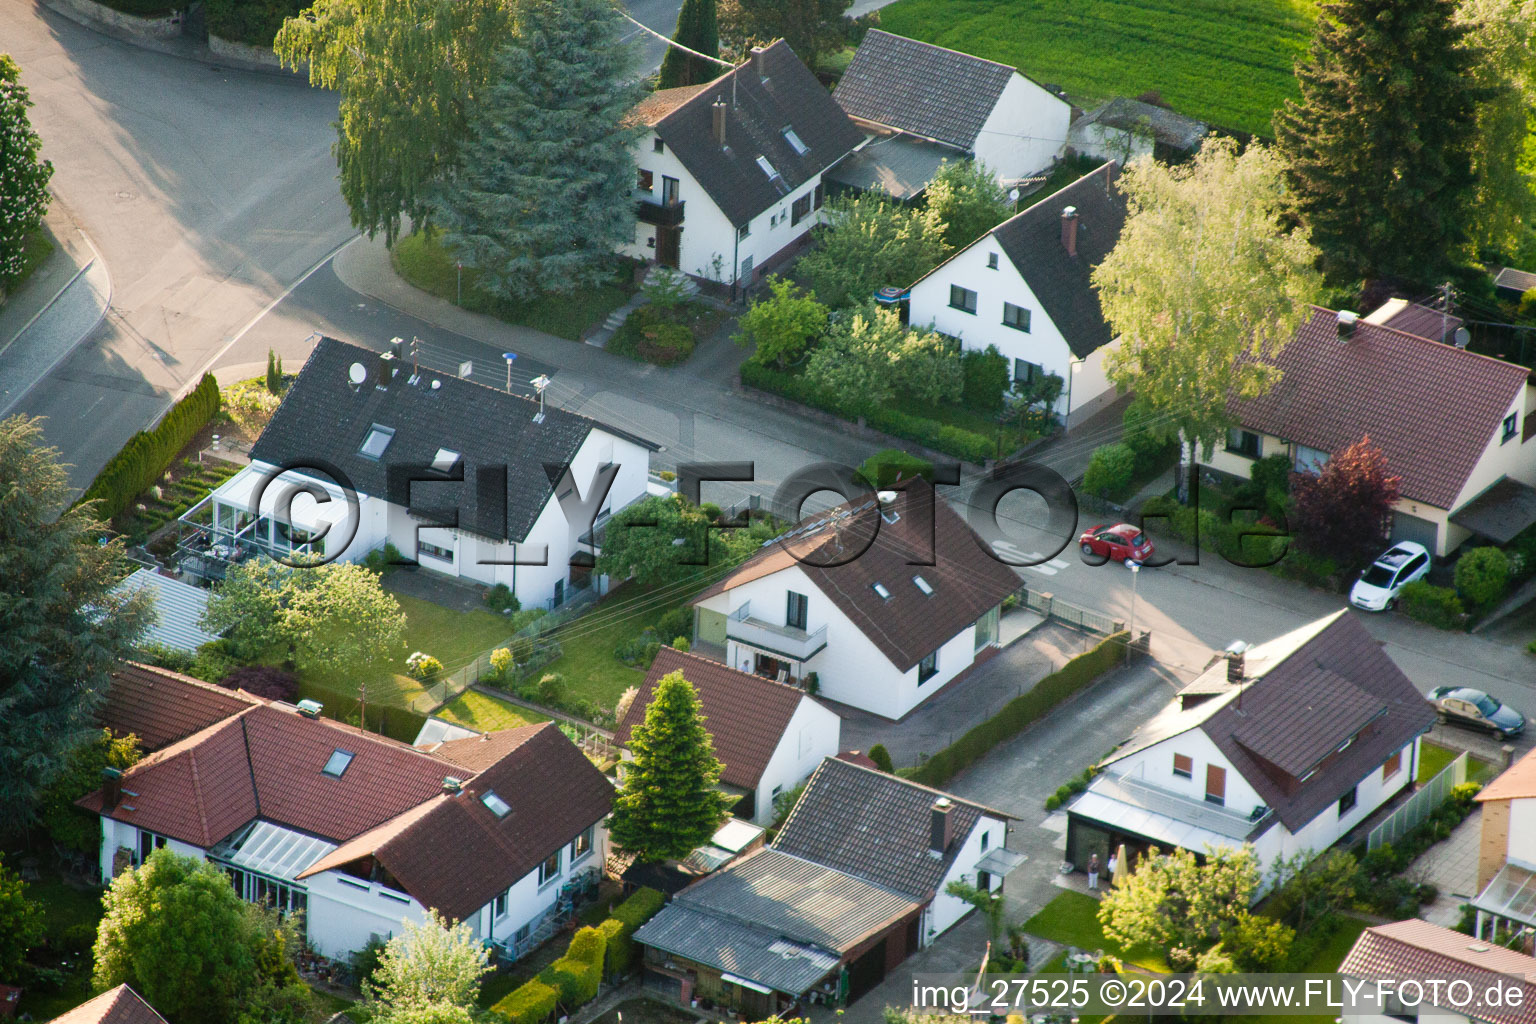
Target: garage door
x,y
1422,531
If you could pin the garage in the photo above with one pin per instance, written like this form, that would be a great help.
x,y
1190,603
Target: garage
x,y
1420,531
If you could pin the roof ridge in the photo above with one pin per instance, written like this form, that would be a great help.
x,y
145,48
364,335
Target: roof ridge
x,y
1363,323
984,808
946,49
201,684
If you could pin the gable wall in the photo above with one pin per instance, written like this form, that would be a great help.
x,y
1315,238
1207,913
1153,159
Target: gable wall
x,y
1025,131
813,733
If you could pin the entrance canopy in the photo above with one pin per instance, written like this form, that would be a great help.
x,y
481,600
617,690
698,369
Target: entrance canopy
x,y
1500,512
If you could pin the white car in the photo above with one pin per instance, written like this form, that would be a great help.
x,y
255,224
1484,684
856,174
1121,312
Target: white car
x,y
1378,586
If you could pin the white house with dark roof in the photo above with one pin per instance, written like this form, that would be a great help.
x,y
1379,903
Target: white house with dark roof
x,y
730,172
454,474
1283,747
1026,287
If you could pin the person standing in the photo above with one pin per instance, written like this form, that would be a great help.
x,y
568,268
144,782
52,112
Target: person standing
x,y
1110,864
1093,871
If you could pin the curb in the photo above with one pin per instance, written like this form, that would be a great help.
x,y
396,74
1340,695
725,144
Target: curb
x,y
172,46
72,346
48,305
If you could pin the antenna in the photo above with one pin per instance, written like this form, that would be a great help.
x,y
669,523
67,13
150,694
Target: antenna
x,y
415,355
539,384
510,357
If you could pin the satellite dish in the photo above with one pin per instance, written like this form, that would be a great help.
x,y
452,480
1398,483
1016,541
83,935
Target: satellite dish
x,y
1462,337
357,373
436,384
1013,195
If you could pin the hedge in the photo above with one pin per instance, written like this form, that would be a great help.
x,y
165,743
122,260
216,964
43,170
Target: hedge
x,y
643,904
1023,711
252,22
1438,606
574,980
617,949
133,470
530,1003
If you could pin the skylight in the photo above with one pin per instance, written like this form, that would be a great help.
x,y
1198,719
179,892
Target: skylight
x,y
337,764
444,459
879,588
495,804
377,440
923,585
767,167
794,141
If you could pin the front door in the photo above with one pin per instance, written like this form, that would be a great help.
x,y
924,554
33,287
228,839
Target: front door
x,y
668,246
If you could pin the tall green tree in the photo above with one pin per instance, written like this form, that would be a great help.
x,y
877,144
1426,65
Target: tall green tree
x,y
408,72
544,195
668,804
21,922
23,175
1503,154
1205,277
697,30
812,28
869,242
430,968
1378,151
68,825
177,932
966,196
781,325
62,630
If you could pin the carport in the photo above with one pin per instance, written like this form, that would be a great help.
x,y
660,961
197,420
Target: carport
x,y
1500,512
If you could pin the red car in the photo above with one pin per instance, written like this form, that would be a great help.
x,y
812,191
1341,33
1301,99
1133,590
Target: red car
x,y
1117,542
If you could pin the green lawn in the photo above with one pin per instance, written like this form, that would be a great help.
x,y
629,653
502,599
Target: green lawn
x,y
427,265
64,906
1228,62
587,661
1433,758
452,637
481,711
1072,919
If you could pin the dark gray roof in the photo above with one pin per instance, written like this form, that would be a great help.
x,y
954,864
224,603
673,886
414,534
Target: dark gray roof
x,y
1167,127
757,954
876,826
1514,280
771,92
1062,283
1500,512
324,419
900,165
921,88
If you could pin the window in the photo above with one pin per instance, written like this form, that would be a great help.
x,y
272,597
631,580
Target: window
x,y
499,908
984,881
881,589
1393,766
767,168
744,230
337,763
1025,372
550,868
819,196
647,181
495,804
1215,785
521,935
423,548
923,585
962,298
148,844
795,609
928,668
985,837
1016,317
376,441
581,845
1392,1005
1244,443
800,209
1347,801
1309,460
656,146
794,141
991,261
1183,766
669,188
1511,422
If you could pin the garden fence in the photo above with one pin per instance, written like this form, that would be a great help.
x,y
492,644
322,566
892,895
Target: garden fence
x,y
1421,805
1055,608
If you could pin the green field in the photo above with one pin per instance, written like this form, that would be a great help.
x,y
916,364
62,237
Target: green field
x,y
481,711
1228,62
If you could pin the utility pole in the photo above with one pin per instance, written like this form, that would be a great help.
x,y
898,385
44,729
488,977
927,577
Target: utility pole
x,y
1445,309
415,355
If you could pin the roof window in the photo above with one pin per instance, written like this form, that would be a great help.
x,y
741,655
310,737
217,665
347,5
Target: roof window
x,y
495,804
923,585
767,167
880,588
445,459
795,142
377,440
337,763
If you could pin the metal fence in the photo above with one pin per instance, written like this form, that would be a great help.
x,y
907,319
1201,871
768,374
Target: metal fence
x,y
1421,805
1055,608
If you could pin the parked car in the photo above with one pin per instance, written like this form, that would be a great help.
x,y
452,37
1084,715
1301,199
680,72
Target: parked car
x,y
1379,584
1117,542
1466,706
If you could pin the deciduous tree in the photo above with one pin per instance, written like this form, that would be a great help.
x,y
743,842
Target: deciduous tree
x,y
21,922
1482,576
1503,155
63,629
810,27
68,825
1171,900
697,30
663,539
869,242
1378,150
426,970
23,175
668,804
966,196
1204,282
782,324
1345,511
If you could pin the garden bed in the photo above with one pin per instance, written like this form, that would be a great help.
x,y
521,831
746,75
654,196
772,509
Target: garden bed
x,y
665,336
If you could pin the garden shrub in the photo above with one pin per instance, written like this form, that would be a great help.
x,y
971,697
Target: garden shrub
x,y
881,757
421,665
551,688
1438,606
680,643
1482,577
1138,433
1111,468
501,660
149,453
632,651
380,559
676,622
1052,802
530,1003
500,598
252,22
614,963
885,468
986,378
642,905
666,344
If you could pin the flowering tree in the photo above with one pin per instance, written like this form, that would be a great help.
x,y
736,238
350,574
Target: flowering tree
x,y
23,177
1345,511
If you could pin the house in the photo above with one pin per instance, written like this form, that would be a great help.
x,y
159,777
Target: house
x,y
1421,951
1511,283
1454,425
1506,859
877,604
852,886
953,104
1026,287
1123,129
464,479
160,707
768,736
1285,747
730,172
178,610
354,830
120,1005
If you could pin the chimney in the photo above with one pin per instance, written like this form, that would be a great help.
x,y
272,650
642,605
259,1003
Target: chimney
x,y
758,64
452,785
111,788
384,370
718,110
310,708
938,829
1347,321
1236,668
1069,230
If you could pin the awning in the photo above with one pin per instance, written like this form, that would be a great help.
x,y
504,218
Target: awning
x,y
1000,861
1500,512
744,983
1511,895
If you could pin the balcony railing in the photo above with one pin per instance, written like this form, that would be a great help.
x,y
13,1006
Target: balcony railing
x,y
784,641
665,215
1133,788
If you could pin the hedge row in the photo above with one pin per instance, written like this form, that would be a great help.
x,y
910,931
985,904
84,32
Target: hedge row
x,y
941,437
252,22
1438,606
1023,711
133,470
643,905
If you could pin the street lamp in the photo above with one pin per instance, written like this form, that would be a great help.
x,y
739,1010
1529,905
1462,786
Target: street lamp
x,y
1135,567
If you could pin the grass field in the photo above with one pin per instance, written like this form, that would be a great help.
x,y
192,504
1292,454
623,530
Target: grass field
x,y
587,662
452,637
1433,758
1072,919
481,711
1228,62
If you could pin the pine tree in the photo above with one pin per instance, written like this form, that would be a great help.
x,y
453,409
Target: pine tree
x,y
668,805
696,29
274,373
61,629
544,196
23,177
1379,149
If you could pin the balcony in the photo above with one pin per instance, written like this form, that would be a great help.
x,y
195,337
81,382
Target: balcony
x,y
782,641
663,215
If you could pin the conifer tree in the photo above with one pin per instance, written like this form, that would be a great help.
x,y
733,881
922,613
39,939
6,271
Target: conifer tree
x,y
1378,151
668,805
23,177
543,197
696,29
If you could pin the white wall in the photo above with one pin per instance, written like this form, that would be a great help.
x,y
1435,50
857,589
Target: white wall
x,y
945,909
1522,832
1025,131
115,834
345,912
813,733
1106,143
528,901
1155,767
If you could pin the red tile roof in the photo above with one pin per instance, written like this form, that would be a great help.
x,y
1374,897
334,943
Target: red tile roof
x,y
1418,949
745,714
121,1005
160,707
1431,408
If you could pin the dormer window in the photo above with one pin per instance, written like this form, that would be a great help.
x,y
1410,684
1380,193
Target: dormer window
x,y
923,585
445,459
337,763
880,588
495,804
376,441
794,141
